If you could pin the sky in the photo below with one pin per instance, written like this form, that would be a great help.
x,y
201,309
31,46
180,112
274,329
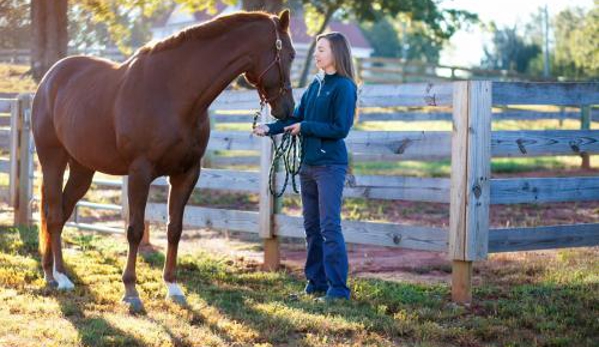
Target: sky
x,y
466,48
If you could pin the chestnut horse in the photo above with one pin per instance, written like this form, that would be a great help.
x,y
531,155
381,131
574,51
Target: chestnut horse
x,y
146,118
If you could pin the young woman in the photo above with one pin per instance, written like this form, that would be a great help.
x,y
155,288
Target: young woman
x,y
323,118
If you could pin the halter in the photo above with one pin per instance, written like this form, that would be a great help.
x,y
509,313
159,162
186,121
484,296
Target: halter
x,y
284,85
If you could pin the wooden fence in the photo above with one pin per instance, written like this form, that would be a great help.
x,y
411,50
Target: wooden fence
x,y
469,192
371,70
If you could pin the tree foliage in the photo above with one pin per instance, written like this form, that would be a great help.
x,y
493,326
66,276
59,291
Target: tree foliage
x,y
14,24
509,51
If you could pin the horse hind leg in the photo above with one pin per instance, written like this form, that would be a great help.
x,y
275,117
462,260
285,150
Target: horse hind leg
x,y
80,179
53,162
78,183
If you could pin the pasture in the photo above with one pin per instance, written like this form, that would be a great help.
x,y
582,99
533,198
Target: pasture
x,y
542,298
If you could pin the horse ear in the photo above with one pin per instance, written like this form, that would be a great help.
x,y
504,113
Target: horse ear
x,y
284,19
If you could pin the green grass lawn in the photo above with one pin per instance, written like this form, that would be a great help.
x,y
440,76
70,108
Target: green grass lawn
x,y
524,301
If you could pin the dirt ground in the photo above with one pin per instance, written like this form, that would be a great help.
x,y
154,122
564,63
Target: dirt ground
x,y
373,261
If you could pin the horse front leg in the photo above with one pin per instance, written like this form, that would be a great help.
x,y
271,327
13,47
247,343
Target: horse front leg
x,y
181,187
140,177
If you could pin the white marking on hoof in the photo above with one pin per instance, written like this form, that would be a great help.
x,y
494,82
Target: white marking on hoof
x,y
64,283
173,290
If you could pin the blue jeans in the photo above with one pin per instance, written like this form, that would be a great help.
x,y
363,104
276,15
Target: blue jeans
x,y
326,262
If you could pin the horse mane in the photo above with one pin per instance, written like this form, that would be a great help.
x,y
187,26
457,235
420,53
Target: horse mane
x,y
209,29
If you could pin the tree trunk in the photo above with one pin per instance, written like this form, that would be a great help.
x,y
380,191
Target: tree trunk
x,y
308,60
49,30
272,6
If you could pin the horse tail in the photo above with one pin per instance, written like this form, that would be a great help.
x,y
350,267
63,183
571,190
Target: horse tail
x,y
44,235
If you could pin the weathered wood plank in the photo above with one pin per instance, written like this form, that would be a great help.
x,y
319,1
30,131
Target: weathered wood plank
x,y
217,161
562,94
22,213
419,116
461,281
5,166
382,234
470,171
503,191
266,202
371,187
5,137
398,188
407,145
436,145
585,124
5,105
370,233
233,140
544,190
15,120
408,94
544,142
203,217
533,115
545,237
4,194
5,121
242,100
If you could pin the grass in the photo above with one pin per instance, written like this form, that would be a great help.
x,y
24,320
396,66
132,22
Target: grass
x,y
532,301
14,79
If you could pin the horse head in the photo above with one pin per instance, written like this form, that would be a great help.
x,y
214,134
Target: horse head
x,y
271,71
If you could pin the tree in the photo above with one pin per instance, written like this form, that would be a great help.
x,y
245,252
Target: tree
x,y
272,6
583,43
443,23
383,37
14,24
577,42
49,34
400,37
574,43
509,51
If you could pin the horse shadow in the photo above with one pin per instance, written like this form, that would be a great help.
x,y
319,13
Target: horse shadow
x,y
235,298
92,331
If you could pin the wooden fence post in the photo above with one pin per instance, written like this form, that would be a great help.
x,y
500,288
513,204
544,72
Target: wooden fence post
x,y
470,182
16,110
272,256
585,124
23,181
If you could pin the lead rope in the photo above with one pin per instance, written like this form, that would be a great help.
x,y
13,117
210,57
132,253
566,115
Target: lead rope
x,y
290,151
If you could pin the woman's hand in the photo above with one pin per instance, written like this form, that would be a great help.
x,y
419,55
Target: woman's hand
x,y
294,129
261,130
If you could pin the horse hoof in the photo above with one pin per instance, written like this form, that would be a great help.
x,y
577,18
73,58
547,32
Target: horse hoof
x,y
64,283
178,299
134,304
52,284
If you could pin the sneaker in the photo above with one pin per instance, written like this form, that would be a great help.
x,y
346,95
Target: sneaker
x,y
327,299
298,296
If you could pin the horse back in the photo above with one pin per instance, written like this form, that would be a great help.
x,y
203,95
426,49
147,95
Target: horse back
x,y
74,107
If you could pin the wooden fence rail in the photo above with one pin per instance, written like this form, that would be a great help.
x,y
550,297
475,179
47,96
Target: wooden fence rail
x,y
469,192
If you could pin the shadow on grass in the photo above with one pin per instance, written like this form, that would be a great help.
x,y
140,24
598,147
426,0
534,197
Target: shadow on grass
x,y
92,331
262,304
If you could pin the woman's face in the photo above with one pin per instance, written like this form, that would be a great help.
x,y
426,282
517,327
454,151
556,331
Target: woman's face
x,y
323,55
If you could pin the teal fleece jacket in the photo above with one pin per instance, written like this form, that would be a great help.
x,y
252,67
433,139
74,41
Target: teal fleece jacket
x,y
326,112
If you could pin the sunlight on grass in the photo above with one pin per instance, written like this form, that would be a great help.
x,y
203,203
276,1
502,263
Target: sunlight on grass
x,y
521,298
14,80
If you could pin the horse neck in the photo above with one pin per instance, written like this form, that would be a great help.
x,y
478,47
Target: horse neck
x,y
207,68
